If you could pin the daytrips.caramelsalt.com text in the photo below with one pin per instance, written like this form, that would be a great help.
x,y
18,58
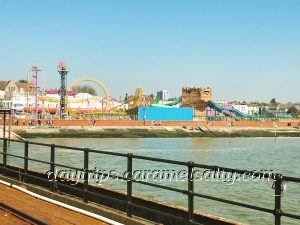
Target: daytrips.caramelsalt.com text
x,y
101,176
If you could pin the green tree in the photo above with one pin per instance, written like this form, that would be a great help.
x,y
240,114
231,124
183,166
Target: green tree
x,y
85,89
22,81
273,102
292,111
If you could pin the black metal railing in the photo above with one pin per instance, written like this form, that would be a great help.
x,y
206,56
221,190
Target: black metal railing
x,y
191,194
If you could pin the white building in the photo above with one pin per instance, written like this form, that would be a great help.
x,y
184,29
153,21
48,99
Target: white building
x,y
241,108
247,109
7,104
253,109
2,94
86,101
222,102
163,95
80,101
20,101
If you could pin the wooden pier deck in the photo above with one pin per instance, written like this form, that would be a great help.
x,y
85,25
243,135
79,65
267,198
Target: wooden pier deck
x,y
36,208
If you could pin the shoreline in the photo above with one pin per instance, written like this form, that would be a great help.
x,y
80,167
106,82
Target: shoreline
x,y
153,132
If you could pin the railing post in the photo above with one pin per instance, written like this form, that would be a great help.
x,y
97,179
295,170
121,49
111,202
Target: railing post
x,y
9,127
86,175
190,191
277,210
25,161
4,123
4,155
52,168
129,184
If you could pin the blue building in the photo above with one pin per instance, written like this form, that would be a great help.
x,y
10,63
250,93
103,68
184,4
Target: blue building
x,y
165,114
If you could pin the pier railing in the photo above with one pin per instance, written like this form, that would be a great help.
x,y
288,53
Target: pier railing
x,y
189,192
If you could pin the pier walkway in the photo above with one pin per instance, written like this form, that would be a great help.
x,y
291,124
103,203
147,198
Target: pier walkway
x,y
111,205
37,209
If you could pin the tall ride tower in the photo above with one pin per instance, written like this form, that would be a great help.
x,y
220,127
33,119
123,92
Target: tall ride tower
x,y
63,71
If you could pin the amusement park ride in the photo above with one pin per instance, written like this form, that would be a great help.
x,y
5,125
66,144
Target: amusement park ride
x,y
63,70
65,100
73,107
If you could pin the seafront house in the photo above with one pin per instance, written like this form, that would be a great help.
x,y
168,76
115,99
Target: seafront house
x,y
11,92
2,94
246,108
8,87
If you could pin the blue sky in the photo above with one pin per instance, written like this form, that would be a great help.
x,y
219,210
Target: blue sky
x,y
244,50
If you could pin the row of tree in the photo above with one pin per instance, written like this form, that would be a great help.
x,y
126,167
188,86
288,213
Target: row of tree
x,y
85,89
292,110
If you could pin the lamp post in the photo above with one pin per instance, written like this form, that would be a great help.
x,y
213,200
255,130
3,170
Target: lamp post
x,y
35,70
144,115
144,102
275,126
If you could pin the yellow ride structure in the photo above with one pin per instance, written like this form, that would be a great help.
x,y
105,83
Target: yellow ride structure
x,y
99,84
72,112
138,98
107,107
